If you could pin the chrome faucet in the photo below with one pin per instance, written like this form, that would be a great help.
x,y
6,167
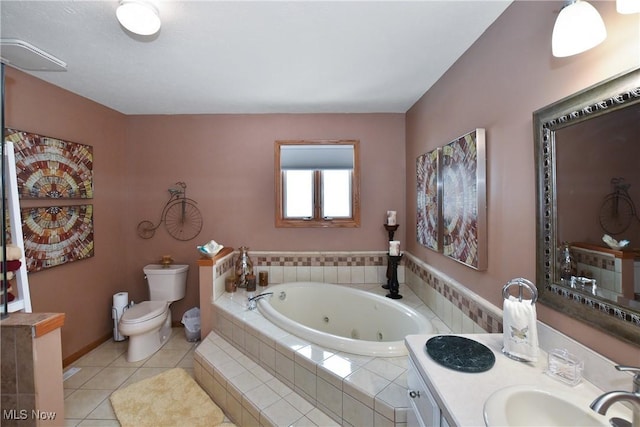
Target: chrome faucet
x,y
602,403
583,282
253,301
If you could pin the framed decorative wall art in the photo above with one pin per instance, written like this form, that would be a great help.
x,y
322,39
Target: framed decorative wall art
x,y
51,168
428,202
464,222
56,235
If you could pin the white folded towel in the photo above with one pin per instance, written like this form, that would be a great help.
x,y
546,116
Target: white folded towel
x,y
13,253
520,333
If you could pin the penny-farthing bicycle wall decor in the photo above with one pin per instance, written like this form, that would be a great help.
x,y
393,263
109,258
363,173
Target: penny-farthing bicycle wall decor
x,y
181,217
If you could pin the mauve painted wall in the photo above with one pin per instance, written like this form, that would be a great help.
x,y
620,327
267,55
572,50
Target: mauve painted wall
x,y
497,84
83,289
607,149
227,162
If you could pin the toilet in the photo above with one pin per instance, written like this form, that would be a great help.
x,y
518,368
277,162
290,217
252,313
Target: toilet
x,y
148,324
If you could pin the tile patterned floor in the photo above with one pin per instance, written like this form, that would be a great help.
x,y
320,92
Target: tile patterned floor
x,y
105,369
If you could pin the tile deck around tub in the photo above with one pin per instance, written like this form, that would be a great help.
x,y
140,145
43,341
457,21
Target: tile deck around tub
x,y
262,375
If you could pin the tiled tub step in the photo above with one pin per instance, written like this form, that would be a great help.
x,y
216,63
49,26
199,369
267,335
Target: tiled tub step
x,y
352,390
247,393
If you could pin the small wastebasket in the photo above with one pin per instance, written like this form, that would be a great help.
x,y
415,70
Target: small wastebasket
x,y
191,322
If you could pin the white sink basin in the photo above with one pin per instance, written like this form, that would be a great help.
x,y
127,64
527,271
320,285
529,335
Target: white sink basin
x,y
530,405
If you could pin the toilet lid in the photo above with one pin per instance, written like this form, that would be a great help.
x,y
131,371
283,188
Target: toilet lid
x,y
144,311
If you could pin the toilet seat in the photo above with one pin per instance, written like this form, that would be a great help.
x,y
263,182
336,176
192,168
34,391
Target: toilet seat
x,y
144,311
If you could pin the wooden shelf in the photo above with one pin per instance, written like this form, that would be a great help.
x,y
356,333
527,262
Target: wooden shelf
x,y
205,261
41,323
625,254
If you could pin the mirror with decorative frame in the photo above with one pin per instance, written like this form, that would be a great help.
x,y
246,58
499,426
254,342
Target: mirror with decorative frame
x,y
587,153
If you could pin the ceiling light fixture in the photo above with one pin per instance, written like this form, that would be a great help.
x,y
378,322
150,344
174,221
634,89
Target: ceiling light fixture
x,y
628,6
139,17
578,28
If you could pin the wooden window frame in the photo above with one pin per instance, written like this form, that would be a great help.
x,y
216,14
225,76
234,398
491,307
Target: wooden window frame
x,y
317,221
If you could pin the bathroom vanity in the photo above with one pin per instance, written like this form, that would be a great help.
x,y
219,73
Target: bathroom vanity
x,y
439,396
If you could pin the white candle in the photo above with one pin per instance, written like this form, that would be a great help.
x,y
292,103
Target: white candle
x,y
391,217
394,247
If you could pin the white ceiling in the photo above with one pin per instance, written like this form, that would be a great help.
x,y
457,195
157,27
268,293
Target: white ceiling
x,y
253,56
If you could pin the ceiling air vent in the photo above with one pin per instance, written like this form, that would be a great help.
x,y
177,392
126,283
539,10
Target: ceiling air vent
x,y
20,54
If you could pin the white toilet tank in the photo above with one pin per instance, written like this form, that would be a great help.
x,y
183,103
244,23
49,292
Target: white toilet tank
x,y
166,283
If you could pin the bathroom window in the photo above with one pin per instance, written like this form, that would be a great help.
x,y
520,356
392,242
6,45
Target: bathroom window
x,y
317,183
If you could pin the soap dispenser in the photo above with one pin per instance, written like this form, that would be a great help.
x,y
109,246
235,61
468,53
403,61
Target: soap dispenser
x,y
566,264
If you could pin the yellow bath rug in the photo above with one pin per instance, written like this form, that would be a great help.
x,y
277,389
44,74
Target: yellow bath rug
x,y
169,399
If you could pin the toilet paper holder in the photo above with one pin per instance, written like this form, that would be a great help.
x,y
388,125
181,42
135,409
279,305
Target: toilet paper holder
x,y
120,305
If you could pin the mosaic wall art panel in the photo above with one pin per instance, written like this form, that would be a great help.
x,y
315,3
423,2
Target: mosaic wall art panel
x,y
51,168
56,235
428,202
463,172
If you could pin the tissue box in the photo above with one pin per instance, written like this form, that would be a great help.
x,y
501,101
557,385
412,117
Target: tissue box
x,y
564,366
210,249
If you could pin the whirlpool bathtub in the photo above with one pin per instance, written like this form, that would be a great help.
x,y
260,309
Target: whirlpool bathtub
x,y
343,318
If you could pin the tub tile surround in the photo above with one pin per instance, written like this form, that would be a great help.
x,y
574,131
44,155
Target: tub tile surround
x,y
31,355
349,389
461,310
606,268
366,390
374,396
324,267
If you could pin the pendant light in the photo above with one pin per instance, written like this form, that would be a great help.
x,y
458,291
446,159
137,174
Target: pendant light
x,y
578,28
628,6
139,17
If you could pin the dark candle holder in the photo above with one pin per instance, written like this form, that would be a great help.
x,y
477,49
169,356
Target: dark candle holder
x,y
391,229
393,284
